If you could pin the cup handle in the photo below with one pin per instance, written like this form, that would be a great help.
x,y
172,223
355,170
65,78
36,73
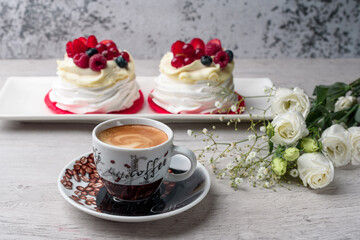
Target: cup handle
x,y
192,158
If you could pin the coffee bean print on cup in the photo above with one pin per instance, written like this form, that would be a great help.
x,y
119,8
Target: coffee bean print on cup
x,y
84,181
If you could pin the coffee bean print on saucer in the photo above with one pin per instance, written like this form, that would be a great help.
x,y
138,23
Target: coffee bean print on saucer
x,y
84,180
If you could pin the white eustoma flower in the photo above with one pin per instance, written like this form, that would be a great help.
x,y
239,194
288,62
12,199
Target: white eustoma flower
x,y
315,170
286,100
336,145
355,145
344,103
289,128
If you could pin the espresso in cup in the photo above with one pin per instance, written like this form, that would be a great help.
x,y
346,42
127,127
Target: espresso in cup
x,y
133,155
133,136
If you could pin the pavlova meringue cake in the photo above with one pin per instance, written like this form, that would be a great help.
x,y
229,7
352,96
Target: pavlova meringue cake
x,y
95,78
194,78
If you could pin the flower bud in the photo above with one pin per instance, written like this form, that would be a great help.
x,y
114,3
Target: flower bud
x,y
269,130
309,145
278,165
291,154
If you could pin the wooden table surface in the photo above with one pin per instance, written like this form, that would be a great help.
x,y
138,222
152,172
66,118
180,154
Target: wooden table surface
x,y
33,154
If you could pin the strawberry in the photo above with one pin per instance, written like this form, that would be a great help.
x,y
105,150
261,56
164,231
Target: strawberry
x,y
197,43
91,42
78,46
69,49
82,39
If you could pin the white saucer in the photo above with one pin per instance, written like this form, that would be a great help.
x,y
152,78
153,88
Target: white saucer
x,y
171,199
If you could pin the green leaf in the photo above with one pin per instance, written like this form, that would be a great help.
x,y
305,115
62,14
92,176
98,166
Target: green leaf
x,y
357,114
321,93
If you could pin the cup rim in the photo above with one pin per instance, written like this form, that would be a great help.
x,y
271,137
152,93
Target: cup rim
x,y
95,137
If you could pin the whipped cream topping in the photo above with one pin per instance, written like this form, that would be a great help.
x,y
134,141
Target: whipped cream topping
x,y
195,71
81,90
199,97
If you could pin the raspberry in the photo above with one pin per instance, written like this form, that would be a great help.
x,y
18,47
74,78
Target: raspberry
x,y
69,49
81,60
114,51
199,53
100,47
188,50
188,60
177,61
177,47
91,41
97,62
107,55
125,55
221,58
197,43
78,46
216,41
212,48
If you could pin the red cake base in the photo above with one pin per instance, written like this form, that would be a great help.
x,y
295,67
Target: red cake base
x,y
160,110
131,110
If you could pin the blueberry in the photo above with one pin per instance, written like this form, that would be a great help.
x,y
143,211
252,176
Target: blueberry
x,y
91,51
121,62
230,54
206,60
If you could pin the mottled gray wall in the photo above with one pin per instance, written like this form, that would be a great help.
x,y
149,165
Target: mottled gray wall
x,y
252,28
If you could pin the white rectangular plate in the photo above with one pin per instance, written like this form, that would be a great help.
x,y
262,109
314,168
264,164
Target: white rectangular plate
x,y
22,99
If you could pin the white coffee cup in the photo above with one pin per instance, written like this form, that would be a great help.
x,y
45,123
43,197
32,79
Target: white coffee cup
x,y
134,174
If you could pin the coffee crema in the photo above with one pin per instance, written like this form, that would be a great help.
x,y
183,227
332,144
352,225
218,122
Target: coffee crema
x,y
133,136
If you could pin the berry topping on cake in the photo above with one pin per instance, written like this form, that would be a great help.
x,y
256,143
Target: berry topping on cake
x,y
199,52
81,60
69,49
121,62
97,62
230,54
221,58
188,60
186,53
114,51
91,42
105,50
91,51
177,61
109,44
107,54
78,46
125,55
100,47
206,60
188,50
197,43
212,48
177,47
